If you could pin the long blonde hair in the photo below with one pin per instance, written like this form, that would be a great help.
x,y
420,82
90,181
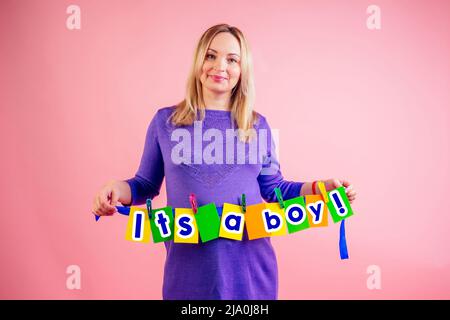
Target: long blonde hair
x,y
242,96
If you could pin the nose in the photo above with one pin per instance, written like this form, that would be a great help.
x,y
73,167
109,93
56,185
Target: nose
x,y
220,65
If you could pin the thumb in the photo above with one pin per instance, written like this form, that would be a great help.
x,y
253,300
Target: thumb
x,y
345,183
114,196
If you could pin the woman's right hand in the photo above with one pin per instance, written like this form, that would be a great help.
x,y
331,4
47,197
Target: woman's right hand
x,y
106,200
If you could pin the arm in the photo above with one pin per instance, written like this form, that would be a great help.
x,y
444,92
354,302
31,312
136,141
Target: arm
x,y
124,192
270,176
149,177
146,183
306,189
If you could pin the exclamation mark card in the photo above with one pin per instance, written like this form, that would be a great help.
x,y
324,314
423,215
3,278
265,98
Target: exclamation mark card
x,y
339,206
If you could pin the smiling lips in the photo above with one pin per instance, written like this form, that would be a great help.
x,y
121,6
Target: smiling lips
x,y
217,78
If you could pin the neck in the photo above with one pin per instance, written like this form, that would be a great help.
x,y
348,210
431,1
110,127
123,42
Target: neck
x,y
216,101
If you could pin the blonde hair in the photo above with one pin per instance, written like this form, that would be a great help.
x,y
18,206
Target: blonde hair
x,y
242,95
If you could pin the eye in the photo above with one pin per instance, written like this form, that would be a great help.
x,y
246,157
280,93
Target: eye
x,y
208,56
232,60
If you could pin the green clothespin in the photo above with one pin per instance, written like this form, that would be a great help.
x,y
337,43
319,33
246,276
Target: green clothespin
x,y
149,208
243,203
279,197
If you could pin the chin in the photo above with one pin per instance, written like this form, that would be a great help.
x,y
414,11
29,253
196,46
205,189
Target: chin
x,y
218,88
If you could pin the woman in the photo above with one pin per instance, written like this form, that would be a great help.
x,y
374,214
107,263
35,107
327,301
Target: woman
x,y
219,98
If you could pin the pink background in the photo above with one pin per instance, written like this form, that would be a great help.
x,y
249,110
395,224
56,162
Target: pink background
x,y
370,106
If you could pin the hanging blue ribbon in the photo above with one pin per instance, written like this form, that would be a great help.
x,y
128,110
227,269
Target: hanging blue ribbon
x,y
342,241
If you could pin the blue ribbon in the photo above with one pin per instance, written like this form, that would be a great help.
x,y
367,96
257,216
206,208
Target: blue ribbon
x,y
342,241
122,210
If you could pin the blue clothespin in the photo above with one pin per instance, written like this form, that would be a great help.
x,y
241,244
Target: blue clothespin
x,y
279,197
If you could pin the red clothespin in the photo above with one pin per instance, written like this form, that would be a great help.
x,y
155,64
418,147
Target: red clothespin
x,y
193,201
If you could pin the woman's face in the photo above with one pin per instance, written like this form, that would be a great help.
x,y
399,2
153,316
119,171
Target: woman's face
x,y
221,69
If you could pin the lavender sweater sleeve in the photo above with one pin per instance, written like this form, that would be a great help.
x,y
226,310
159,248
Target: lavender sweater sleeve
x,y
270,176
149,177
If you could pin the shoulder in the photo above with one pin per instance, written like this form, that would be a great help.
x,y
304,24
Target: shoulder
x,y
161,116
165,112
160,120
260,120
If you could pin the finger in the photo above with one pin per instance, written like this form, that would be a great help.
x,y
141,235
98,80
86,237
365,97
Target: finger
x,y
104,199
94,205
99,211
103,195
105,212
351,194
345,183
109,213
110,209
336,183
95,214
99,205
107,208
94,208
114,197
98,208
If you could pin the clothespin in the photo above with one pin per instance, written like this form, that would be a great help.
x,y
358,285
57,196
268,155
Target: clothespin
x,y
149,207
243,203
279,197
193,201
323,191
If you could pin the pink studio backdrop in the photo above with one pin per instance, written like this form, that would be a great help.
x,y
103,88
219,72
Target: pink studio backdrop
x,y
371,106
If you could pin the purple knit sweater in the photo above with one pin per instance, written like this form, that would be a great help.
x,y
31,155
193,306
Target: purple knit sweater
x,y
221,268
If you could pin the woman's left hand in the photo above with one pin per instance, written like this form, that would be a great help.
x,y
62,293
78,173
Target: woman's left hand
x,y
332,184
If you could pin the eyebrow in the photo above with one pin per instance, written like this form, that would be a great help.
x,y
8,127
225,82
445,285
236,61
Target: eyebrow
x,y
233,54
